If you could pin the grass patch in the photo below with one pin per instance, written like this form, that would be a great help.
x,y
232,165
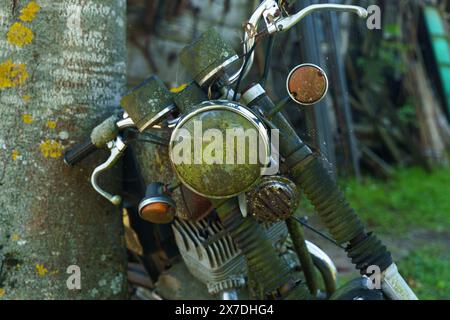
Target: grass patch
x,y
427,271
413,198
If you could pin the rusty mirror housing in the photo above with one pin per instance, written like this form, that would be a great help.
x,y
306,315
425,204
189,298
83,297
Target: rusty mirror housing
x,y
307,84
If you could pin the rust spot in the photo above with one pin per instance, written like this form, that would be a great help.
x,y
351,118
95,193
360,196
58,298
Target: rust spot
x,y
198,208
307,84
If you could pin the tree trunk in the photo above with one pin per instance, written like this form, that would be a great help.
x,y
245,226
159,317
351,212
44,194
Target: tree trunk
x,y
62,69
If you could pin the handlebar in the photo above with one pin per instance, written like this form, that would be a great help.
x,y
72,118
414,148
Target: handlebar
x,y
105,135
105,132
79,152
276,22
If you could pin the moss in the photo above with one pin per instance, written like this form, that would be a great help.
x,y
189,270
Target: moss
x,y
205,54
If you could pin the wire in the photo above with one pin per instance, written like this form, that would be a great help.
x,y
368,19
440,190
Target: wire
x,y
151,138
147,141
267,60
247,58
323,235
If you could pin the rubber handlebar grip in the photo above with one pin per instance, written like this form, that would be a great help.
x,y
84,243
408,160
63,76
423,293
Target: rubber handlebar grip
x,y
79,152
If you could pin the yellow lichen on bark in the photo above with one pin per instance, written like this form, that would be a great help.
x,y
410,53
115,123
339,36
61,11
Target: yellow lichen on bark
x,y
15,155
41,270
27,118
11,74
51,124
51,149
19,35
29,12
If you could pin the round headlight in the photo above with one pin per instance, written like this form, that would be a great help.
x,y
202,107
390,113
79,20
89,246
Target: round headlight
x,y
220,149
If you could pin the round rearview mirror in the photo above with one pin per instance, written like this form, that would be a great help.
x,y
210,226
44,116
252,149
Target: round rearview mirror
x,y
307,84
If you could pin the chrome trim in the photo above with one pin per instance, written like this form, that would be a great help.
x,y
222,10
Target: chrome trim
x,y
394,286
117,148
280,24
327,267
173,122
288,22
166,200
166,124
306,65
229,295
225,64
157,117
249,41
125,123
220,105
253,93
242,200
228,93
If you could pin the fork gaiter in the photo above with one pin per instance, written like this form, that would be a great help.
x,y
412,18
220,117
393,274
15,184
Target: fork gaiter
x,y
308,172
263,262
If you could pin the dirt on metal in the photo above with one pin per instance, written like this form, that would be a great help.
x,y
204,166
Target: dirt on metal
x,y
307,84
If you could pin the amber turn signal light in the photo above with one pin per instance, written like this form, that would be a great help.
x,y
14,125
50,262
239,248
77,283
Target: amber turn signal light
x,y
157,205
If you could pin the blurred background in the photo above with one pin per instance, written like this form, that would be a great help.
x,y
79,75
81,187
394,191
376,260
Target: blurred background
x,y
384,126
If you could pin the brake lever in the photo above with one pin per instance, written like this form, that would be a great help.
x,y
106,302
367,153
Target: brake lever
x,y
286,23
117,148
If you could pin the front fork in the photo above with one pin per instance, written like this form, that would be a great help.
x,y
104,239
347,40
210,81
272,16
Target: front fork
x,y
307,171
274,278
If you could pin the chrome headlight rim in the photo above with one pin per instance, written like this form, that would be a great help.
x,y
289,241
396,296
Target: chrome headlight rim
x,y
226,105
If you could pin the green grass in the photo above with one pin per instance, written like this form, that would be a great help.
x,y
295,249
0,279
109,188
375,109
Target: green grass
x,y
413,198
427,270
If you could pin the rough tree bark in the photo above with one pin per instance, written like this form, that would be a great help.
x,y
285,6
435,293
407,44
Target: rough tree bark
x,y
62,69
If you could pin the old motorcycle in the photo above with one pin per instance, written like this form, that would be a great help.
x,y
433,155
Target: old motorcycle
x,y
234,222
